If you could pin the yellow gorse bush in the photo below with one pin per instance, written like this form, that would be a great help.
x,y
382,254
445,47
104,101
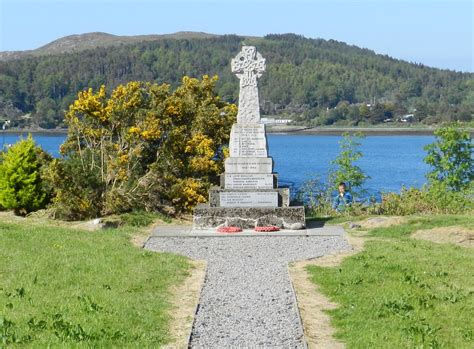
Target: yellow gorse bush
x,y
149,146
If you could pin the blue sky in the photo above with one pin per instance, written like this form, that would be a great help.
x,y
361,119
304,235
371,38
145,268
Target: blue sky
x,y
437,33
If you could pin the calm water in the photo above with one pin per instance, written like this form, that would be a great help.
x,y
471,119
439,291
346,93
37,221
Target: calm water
x,y
390,161
49,143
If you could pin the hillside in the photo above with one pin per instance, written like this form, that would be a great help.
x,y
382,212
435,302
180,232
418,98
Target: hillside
x,y
81,42
312,81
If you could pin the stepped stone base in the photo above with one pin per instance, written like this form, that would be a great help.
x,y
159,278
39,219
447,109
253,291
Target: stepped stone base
x,y
206,217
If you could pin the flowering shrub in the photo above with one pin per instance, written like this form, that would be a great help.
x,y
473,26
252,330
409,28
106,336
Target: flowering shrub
x,y
146,146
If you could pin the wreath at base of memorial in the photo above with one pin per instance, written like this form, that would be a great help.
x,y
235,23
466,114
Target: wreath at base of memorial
x,y
229,229
267,228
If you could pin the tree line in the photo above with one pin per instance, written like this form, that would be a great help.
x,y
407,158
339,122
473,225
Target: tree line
x,y
312,81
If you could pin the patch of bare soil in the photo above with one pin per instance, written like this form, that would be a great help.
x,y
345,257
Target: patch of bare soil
x,y
312,303
459,236
185,301
8,216
381,222
139,239
40,218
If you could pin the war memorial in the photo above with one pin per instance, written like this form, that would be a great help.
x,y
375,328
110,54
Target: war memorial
x,y
249,195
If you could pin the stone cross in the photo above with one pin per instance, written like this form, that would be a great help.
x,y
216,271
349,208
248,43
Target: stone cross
x,y
248,65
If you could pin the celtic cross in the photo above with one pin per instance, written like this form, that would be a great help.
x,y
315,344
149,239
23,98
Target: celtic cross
x,y
248,66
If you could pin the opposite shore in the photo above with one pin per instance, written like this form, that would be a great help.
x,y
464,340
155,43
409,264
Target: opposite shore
x,y
296,130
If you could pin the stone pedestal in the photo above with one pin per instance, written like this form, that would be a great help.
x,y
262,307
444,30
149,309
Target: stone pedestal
x,y
206,217
248,195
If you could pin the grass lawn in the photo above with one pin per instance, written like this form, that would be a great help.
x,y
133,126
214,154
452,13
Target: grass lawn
x,y
68,287
404,293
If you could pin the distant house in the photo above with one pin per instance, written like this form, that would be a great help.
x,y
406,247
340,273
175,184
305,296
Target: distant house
x,y
407,118
272,121
283,121
267,121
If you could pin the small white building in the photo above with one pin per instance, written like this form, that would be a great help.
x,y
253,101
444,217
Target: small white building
x,y
407,118
272,121
283,121
267,121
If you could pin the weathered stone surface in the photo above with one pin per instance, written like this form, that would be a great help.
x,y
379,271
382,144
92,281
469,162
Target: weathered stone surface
x,y
248,66
249,181
296,226
247,218
283,196
248,140
249,165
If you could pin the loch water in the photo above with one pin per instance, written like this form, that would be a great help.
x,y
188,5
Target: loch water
x,y
390,161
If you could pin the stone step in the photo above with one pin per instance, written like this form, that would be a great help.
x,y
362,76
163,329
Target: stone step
x,y
206,217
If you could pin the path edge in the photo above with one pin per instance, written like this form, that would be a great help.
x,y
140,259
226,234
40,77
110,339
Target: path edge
x,y
181,327
318,334
295,299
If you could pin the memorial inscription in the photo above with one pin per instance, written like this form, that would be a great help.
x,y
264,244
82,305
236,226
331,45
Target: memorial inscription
x,y
248,165
248,199
248,181
248,141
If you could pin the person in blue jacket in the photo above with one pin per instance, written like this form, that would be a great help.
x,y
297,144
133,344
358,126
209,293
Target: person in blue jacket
x,y
343,198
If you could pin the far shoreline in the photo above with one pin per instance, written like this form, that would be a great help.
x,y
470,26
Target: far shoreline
x,y
289,130
49,132
367,131
338,131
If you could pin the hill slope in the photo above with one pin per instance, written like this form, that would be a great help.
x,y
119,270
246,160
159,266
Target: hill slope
x,y
81,42
313,81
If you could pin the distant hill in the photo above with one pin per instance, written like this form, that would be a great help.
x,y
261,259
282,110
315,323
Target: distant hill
x,y
80,42
311,81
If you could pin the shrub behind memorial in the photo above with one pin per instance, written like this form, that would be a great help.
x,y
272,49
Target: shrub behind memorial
x,y
450,158
344,167
428,200
450,187
143,146
21,186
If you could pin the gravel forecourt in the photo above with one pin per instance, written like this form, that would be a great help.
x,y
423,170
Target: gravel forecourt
x,y
247,299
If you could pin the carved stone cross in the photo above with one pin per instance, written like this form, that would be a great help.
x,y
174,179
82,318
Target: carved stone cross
x,y
248,65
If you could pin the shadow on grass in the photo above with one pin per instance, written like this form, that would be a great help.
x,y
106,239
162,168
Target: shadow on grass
x,y
317,222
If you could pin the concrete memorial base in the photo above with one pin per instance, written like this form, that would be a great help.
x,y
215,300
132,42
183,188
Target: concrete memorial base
x,y
206,217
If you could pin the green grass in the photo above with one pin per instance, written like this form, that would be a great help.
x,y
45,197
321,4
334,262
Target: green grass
x,y
66,287
423,222
404,293
143,218
333,219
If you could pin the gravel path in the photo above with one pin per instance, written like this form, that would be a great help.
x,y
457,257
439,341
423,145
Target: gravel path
x,y
247,299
